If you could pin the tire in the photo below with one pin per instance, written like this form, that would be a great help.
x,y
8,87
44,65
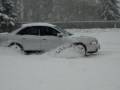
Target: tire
x,y
81,50
17,48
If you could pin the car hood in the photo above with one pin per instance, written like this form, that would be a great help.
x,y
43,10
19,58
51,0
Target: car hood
x,y
4,33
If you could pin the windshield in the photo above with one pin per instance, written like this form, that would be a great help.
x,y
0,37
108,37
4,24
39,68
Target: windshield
x,y
14,29
63,31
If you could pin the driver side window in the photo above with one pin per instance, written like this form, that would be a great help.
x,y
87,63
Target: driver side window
x,y
48,31
29,31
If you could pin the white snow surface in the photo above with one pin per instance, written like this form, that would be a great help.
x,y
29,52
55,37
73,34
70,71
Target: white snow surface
x,y
51,71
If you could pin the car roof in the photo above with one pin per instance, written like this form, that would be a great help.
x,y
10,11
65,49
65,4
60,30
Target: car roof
x,y
38,24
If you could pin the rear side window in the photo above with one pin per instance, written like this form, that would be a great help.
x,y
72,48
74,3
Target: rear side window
x,y
47,31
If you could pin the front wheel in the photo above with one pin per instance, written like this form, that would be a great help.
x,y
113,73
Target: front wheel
x,y
17,48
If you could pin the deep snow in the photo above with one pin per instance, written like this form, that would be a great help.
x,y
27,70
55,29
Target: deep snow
x,y
51,71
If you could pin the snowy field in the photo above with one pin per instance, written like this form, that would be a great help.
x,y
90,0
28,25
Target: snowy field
x,y
66,71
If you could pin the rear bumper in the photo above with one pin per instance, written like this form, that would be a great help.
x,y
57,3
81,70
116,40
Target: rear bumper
x,y
93,48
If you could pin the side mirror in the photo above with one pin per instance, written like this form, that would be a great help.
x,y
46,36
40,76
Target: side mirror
x,y
60,35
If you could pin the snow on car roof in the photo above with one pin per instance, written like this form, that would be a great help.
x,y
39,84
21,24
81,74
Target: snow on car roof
x,y
38,24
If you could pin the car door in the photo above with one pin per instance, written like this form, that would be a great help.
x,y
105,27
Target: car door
x,y
49,38
30,38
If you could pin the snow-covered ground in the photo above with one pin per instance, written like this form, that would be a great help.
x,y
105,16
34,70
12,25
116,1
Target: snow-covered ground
x,y
64,72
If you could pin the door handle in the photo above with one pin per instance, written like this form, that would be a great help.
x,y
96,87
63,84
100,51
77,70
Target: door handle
x,y
44,39
24,38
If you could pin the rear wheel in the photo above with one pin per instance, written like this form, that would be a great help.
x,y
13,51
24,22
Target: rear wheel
x,y
80,49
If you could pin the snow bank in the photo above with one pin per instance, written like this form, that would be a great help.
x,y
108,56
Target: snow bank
x,y
5,51
48,72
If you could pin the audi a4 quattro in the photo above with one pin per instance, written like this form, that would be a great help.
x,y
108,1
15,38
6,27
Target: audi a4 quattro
x,y
45,37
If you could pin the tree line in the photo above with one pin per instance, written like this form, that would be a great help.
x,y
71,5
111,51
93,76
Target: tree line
x,y
106,10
